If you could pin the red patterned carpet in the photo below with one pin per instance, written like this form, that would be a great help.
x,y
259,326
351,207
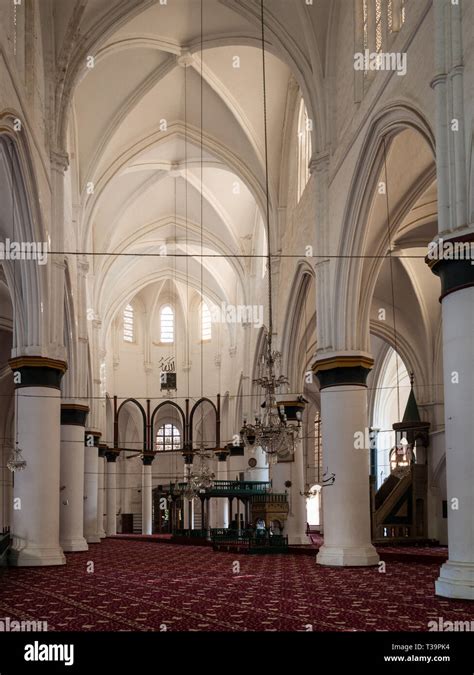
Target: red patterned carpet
x,y
144,586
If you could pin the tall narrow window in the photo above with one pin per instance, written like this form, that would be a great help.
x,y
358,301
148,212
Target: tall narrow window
x,y
305,126
128,324
378,26
167,324
206,323
168,438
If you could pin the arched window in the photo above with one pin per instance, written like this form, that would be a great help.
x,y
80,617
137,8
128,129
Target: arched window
x,y
167,324
168,437
128,324
206,323
305,126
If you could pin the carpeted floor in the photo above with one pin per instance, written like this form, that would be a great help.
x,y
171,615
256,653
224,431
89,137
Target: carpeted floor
x,y
140,585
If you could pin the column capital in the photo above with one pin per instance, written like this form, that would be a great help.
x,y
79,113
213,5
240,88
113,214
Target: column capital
x,y
452,260
148,457
37,371
95,435
74,414
111,455
292,407
103,449
345,368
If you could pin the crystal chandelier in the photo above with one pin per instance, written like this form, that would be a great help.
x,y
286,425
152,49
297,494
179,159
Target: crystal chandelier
x,y
16,461
271,431
202,479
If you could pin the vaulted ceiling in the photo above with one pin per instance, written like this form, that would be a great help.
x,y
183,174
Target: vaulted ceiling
x,y
167,125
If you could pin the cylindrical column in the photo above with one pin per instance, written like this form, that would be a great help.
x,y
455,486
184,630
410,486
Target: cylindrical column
x,y
147,493
347,532
35,524
101,490
111,492
221,510
91,485
456,578
292,472
71,497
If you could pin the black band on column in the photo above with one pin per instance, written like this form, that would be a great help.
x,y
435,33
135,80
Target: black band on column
x,y
147,458
343,370
37,371
111,455
458,273
72,414
103,447
292,408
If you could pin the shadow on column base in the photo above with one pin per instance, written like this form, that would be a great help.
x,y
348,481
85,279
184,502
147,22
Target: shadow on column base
x,y
456,580
93,538
102,534
73,545
338,556
36,557
298,540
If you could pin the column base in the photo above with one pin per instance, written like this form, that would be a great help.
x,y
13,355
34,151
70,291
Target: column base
x,y
73,545
456,580
93,539
339,556
102,534
36,557
298,540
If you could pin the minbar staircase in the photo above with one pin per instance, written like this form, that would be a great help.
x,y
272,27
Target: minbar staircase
x,y
399,507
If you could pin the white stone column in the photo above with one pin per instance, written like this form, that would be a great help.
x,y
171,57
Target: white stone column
x,y
91,485
35,522
147,494
221,509
71,496
101,491
456,578
111,491
296,522
347,531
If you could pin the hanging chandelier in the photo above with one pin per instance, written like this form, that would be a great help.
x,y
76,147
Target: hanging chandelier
x,y
202,479
271,430
16,461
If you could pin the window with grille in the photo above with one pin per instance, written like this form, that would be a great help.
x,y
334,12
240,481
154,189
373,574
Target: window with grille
x,y
167,324
206,323
380,20
128,324
168,437
304,147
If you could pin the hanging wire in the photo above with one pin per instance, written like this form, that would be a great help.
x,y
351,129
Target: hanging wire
x,y
267,191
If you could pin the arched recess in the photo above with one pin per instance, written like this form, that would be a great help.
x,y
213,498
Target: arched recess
x,y
299,327
167,412
205,428
352,292
390,385
20,222
130,402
